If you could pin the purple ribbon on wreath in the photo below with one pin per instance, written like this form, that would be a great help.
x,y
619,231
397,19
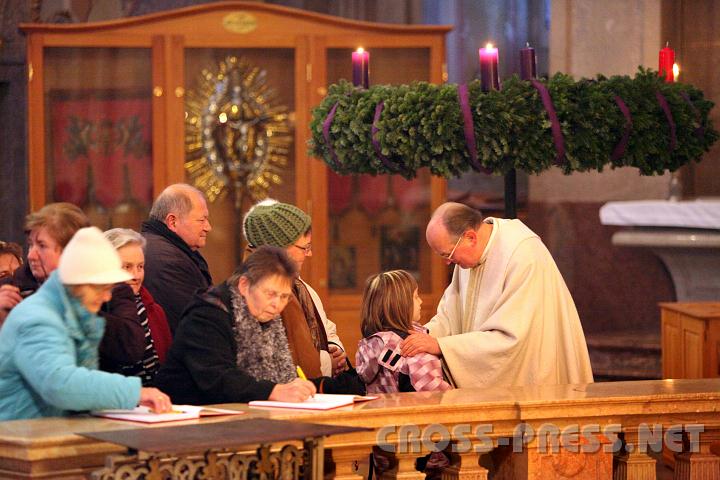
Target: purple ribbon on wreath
x,y
389,164
668,114
326,135
554,122
620,148
700,130
468,128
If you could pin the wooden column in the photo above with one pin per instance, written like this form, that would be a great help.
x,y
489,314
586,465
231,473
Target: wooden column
x,y
346,461
631,462
404,468
697,461
465,466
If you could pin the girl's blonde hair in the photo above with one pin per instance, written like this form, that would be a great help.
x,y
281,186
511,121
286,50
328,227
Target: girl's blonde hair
x,y
388,302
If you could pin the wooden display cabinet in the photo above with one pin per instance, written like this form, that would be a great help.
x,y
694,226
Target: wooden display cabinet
x,y
690,339
143,71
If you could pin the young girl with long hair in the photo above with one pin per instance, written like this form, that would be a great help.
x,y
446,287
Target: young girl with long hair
x,y
390,312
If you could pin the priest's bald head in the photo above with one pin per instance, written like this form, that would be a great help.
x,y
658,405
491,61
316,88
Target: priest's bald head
x,y
457,233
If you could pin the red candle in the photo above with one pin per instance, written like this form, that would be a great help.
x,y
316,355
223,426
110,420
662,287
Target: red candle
x,y
667,58
528,64
361,68
489,79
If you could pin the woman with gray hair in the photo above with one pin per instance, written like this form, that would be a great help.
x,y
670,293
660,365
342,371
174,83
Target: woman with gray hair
x,y
137,335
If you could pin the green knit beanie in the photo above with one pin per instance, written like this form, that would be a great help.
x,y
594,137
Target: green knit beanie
x,y
277,224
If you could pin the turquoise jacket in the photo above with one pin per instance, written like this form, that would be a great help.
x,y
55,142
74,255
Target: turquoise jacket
x,y
49,359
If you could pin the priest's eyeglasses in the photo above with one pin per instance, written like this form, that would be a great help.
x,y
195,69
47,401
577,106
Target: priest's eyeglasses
x,y
449,255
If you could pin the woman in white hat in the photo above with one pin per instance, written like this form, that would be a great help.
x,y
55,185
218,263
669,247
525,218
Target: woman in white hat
x,y
49,342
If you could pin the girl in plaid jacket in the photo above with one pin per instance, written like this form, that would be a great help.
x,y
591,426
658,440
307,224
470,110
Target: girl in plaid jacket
x,y
390,312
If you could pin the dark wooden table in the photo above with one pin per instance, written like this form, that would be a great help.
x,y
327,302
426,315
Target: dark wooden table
x,y
219,450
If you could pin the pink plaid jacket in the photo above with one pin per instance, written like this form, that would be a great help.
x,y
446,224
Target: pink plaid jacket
x,y
379,364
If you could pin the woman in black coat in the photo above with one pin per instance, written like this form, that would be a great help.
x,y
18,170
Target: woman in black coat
x,y
231,346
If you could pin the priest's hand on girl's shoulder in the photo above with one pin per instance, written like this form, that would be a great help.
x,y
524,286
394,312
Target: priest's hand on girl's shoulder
x,y
298,390
417,342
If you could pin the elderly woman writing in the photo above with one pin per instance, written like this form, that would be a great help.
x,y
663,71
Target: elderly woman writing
x,y
312,336
231,345
137,334
49,343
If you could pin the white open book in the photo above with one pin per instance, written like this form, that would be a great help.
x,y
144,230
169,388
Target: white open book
x,y
179,412
320,401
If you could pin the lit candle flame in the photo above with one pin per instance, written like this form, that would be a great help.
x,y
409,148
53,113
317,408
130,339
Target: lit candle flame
x,y
676,72
489,46
360,50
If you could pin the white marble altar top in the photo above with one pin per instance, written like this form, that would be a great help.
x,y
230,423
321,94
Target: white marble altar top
x,y
701,213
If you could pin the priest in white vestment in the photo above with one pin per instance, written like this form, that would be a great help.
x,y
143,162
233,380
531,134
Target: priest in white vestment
x,y
507,317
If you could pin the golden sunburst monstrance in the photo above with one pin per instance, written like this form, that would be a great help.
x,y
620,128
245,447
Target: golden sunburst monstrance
x,y
237,136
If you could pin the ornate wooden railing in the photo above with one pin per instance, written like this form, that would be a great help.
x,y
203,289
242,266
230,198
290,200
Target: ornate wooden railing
x,y
600,430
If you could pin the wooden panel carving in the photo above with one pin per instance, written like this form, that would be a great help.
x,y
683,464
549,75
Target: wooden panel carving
x,y
286,464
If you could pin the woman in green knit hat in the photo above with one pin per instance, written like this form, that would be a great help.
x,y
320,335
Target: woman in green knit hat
x,y
313,338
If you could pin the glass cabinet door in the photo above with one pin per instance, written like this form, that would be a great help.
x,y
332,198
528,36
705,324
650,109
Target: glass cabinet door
x,y
98,132
377,223
239,137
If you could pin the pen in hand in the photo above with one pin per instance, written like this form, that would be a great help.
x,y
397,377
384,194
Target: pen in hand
x,y
302,376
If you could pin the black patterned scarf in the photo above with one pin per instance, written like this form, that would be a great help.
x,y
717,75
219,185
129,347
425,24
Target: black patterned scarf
x,y
148,367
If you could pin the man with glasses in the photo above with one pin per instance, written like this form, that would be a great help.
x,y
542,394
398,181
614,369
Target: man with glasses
x,y
507,317
313,338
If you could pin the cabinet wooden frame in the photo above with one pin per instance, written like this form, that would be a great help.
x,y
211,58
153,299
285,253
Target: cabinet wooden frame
x,y
169,34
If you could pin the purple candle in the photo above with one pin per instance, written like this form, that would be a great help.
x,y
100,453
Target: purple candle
x,y
489,79
366,69
361,68
528,69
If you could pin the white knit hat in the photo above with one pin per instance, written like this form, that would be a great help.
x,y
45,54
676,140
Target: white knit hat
x,y
89,258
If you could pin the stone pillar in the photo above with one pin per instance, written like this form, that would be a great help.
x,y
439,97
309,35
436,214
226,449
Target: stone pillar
x,y
13,118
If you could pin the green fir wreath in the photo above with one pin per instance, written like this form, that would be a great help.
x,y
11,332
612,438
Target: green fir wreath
x,y
400,129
